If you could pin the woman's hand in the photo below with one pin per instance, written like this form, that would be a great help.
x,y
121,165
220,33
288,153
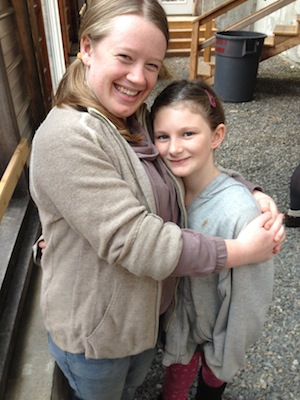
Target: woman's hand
x,y
42,245
38,250
255,243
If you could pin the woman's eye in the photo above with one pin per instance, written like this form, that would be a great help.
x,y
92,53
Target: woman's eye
x,y
153,67
161,137
124,57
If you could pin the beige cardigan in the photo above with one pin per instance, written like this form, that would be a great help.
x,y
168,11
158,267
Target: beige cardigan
x,y
107,252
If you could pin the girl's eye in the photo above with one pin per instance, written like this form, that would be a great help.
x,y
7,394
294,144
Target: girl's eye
x,y
188,134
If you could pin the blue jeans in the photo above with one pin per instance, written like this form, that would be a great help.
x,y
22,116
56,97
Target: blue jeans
x,y
104,379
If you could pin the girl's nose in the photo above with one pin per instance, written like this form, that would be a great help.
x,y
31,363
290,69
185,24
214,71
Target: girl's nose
x,y
175,147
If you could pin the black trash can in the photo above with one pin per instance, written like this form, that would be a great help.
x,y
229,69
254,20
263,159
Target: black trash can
x,y
237,58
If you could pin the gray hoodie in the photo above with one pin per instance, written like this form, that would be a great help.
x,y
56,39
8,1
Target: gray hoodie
x,y
223,313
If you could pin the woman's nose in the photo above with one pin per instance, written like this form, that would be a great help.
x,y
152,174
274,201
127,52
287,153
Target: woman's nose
x,y
137,75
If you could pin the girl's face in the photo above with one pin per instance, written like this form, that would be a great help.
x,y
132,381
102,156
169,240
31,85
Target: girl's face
x,y
122,68
186,142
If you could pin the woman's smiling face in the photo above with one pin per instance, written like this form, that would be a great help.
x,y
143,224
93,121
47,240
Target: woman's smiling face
x,y
122,68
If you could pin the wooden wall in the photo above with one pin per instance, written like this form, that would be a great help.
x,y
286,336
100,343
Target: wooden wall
x,y
25,84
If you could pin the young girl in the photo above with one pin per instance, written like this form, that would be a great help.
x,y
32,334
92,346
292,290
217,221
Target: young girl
x,y
218,316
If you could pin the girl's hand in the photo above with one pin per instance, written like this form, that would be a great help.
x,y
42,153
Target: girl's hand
x,y
279,233
266,203
256,244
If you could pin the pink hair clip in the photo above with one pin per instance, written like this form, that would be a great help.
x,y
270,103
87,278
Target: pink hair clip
x,y
211,99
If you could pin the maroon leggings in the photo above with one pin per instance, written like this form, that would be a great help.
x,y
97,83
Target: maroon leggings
x,y
178,378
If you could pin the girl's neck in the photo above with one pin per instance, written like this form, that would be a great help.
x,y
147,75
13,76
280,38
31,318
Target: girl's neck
x,y
195,184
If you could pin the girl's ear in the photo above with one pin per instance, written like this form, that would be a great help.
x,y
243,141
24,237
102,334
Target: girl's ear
x,y
218,136
86,50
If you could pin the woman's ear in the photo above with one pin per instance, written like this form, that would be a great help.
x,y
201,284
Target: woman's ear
x,y
86,50
218,136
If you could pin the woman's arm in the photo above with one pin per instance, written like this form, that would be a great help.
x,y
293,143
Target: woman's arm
x,y
255,243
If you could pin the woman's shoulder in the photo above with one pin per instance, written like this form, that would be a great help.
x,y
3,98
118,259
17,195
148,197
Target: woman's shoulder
x,y
64,120
59,118
64,129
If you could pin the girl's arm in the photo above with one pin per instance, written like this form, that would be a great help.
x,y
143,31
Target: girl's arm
x,y
265,202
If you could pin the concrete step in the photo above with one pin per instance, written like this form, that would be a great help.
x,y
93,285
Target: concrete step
x,y
31,370
18,231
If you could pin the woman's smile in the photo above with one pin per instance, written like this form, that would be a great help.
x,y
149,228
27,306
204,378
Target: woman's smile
x,y
128,92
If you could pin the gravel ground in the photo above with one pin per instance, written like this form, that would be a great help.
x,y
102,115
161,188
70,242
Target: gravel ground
x,y
263,143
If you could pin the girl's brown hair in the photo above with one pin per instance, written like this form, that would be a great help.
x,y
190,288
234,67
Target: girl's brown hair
x,y
198,96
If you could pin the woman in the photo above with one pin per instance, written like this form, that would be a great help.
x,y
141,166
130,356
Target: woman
x,y
109,209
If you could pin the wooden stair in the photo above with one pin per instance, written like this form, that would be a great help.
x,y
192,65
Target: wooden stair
x,y
180,29
283,38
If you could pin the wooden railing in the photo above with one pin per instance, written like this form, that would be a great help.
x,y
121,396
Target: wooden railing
x,y
19,230
12,174
206,19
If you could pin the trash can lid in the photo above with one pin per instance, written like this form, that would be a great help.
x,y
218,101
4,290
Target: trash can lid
x,y
240,35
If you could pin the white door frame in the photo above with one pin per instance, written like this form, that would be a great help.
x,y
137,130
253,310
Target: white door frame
x,y
178,7
54,41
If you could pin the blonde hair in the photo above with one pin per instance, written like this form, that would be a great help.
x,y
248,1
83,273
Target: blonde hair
x,y
96,23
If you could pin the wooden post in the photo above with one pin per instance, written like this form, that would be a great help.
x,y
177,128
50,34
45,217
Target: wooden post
x,y
208,34
194,50
9,131
30,63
